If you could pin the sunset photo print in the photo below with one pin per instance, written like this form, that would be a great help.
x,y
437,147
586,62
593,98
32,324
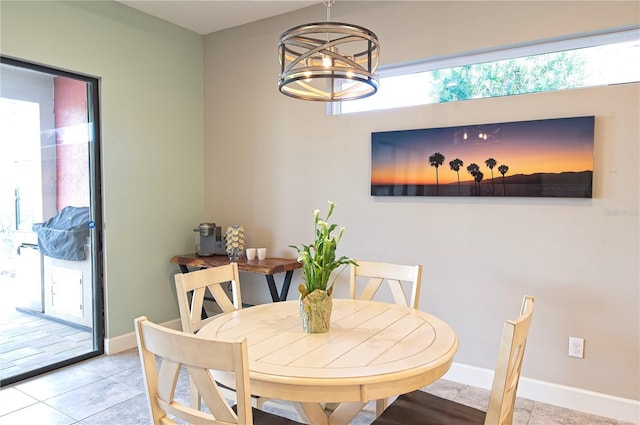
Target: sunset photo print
x,y
541,158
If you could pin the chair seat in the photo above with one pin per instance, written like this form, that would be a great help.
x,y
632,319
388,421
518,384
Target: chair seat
x,y
421,408
264,418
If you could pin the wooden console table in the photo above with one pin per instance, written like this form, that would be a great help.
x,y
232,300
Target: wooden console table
x,y
268,267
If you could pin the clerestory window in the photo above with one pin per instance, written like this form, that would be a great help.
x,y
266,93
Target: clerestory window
x,y
576,61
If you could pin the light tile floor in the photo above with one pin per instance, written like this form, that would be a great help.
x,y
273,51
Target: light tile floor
x,y
29,341
110,390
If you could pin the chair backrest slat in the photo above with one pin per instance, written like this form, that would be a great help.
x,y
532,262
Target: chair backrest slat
x,y
507,373
393,274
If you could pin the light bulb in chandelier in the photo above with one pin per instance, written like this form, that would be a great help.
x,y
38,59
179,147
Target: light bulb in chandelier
x,y
350,73
307,74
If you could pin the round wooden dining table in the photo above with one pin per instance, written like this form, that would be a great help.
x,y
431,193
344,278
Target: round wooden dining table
x,y
373,351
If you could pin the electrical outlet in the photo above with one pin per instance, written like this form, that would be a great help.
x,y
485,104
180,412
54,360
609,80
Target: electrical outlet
x,y
576,347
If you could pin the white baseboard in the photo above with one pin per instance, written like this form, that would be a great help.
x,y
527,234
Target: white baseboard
x,y
623,409
128,341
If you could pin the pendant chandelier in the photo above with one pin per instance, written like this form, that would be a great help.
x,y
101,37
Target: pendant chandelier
x,y
328,61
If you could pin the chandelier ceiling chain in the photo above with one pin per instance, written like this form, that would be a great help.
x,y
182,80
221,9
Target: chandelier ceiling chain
x,y
328,61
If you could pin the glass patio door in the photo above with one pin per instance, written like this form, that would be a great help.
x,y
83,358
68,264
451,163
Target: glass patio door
x,y
50,220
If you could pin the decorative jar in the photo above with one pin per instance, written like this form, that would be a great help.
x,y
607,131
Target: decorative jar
x,y
235,242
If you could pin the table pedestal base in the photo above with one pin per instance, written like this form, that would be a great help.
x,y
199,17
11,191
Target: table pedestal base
x,y
329,413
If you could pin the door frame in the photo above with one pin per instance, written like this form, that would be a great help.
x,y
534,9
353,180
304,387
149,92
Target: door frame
x,y
96,209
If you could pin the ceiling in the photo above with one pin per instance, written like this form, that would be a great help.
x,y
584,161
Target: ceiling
x,y
207,16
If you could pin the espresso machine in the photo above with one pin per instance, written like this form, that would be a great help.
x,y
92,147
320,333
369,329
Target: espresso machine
x,y
210,240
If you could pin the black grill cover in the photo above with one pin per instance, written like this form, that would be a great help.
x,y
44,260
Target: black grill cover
x,y
63,235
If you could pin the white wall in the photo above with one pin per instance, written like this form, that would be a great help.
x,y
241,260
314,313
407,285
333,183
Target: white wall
x,y
270,160
151,109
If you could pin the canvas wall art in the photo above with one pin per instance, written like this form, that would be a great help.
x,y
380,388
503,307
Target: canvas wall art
x,y
541,158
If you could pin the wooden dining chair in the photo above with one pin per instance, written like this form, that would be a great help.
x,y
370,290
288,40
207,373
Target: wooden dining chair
x,y
191,289
374,274
199,356
393,274
421,408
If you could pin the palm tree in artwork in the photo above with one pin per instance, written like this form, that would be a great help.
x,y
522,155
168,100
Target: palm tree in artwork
x,y
473,169
455,165
436,160
478,178
502,169
490,162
